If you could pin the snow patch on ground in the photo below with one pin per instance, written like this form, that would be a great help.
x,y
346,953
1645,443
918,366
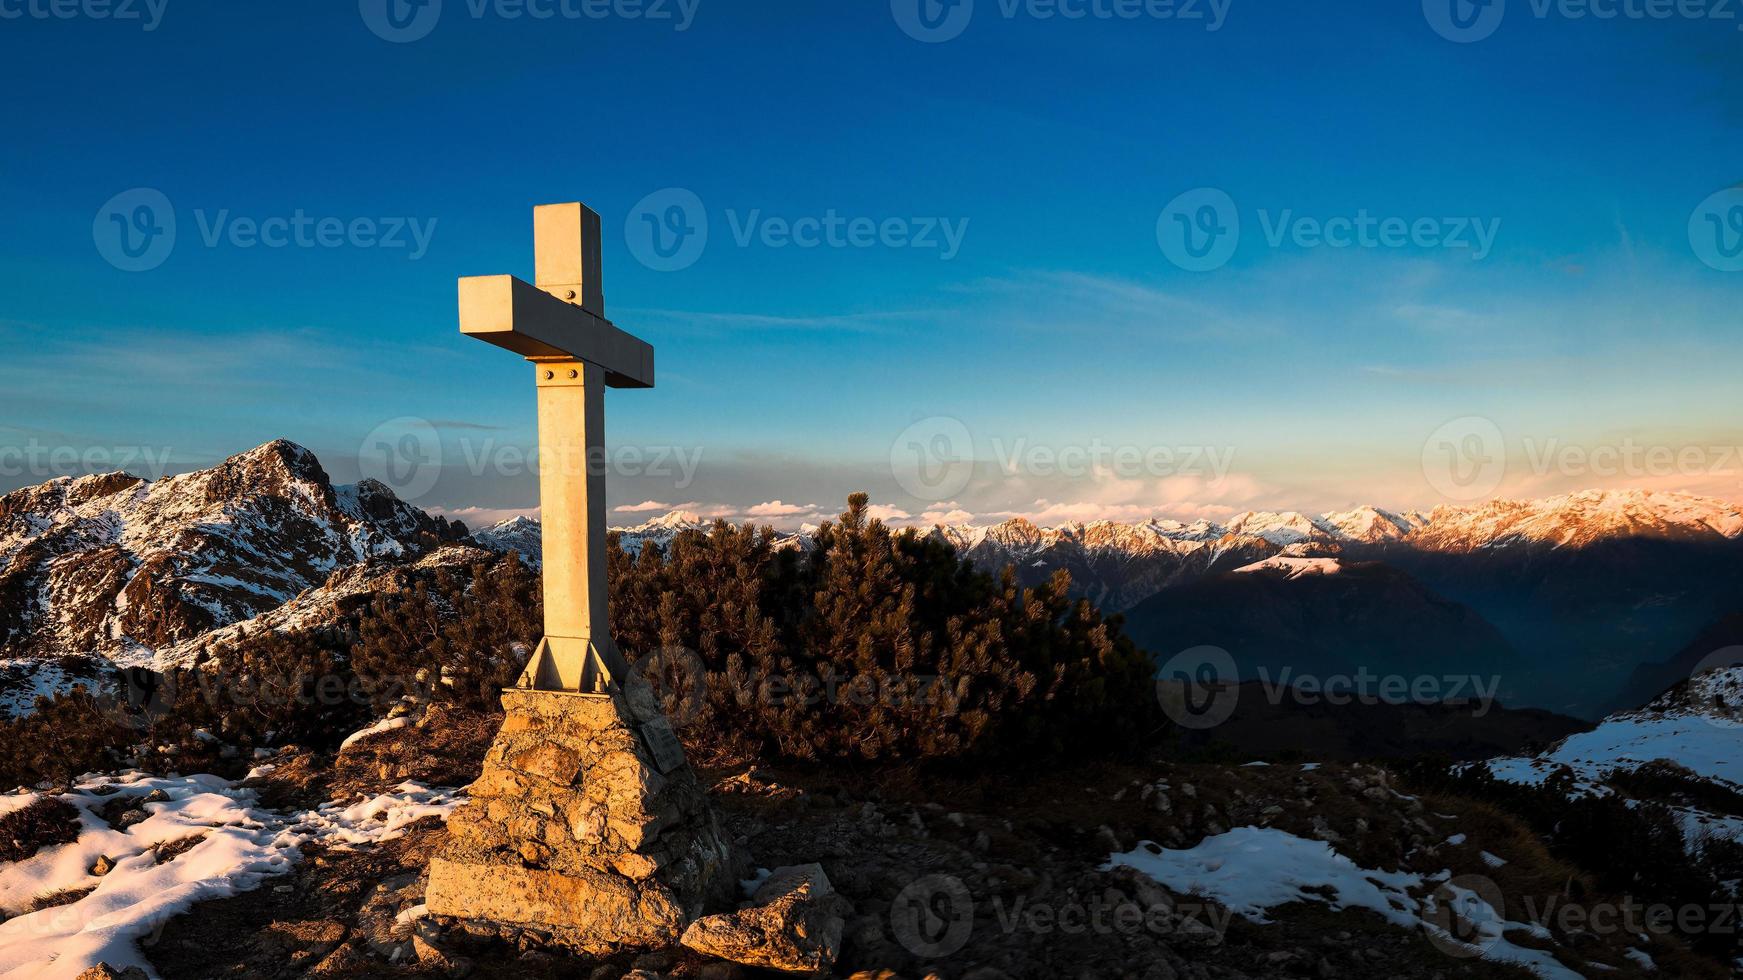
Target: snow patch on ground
x,y
381,818
242,845
1252,870
1485,935
384,725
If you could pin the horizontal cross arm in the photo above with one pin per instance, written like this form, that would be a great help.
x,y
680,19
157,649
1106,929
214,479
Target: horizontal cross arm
x,y
523,318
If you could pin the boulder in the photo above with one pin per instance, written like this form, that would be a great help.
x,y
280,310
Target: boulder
x,y
103,971
794,924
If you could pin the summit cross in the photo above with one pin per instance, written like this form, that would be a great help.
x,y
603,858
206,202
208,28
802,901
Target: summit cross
x,y
560,325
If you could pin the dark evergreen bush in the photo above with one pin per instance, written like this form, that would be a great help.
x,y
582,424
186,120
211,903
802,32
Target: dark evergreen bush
x,y
876,645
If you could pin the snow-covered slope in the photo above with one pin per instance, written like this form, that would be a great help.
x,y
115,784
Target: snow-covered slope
x,y
1291,568
517,534
1698,726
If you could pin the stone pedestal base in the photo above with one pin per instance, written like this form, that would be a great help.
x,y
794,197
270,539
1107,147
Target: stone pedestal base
x,y
586,826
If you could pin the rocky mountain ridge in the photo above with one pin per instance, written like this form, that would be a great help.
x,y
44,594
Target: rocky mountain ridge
x,y
118,567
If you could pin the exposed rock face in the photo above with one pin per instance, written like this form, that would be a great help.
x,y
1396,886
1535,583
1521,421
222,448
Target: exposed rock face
x,y
574,833
794,923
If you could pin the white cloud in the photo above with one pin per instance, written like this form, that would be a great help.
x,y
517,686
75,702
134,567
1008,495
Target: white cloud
x,y
953,516
887,514
643,507
776,508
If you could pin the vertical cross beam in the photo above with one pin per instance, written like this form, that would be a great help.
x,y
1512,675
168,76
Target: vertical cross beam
x,y
577,654
566,257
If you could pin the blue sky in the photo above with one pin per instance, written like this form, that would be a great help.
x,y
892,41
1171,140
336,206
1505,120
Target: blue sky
x,y
1056,327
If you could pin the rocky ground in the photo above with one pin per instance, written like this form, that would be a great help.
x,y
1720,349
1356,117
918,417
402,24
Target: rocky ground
x,y
960,877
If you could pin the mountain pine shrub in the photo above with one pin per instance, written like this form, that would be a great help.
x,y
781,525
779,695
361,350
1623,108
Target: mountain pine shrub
x,y
877,646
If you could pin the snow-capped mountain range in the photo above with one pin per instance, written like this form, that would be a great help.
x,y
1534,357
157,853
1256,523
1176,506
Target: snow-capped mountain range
x,y
1119,565
129,571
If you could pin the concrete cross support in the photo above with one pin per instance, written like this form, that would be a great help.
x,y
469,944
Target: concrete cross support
x,y
587,828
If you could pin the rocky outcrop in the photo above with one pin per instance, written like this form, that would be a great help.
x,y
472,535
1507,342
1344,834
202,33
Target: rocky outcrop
x,y
794,923
103,971
584,829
